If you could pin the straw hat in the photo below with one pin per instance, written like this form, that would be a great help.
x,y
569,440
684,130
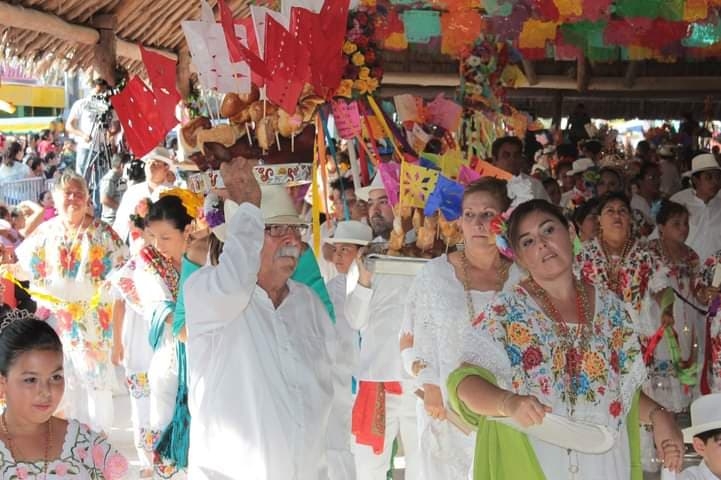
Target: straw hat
x,y
352,231
376,184
580,166
705,416
161,154
277,206
702,162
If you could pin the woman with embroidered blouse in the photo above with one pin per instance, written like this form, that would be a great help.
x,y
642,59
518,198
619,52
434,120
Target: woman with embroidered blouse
x,y
444,300
555,345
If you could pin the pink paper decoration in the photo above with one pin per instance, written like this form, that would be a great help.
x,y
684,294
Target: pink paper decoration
x,y
390,173
347,118
467,175
444,113
140,116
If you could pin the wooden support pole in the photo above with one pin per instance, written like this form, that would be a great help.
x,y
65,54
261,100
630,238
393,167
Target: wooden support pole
x,y
630,78
582,74
34,20
182,72
557,109
529,71
104,52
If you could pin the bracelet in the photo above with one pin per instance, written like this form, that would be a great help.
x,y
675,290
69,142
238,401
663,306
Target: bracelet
x,y
654,410
501,409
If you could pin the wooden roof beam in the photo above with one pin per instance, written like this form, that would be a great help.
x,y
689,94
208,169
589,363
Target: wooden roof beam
x,y
583,77
37,21
630,77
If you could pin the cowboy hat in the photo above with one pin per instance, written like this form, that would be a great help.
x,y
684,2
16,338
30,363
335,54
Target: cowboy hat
x,y
705,416
160,154
701,163
376,184
352,231
580,166
277,206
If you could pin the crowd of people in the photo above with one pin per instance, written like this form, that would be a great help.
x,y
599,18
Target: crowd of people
x,y
246,357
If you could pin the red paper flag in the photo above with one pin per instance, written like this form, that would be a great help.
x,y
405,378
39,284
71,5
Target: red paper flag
x,y
137,111
239,52
327,59
247,22
161,72
288,64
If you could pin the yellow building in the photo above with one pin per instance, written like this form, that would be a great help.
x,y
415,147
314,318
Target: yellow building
x,y
34,106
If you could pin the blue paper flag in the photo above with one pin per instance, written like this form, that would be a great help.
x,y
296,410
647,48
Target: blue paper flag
x,y
447,196
424,162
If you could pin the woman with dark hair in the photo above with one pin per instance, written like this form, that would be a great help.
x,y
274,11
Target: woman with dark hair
x,y
33,442
12,167
556,346
442,305
149,284
673,358
585,219
609,180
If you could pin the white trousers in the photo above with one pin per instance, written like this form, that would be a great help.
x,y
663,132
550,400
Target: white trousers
x,y
400,419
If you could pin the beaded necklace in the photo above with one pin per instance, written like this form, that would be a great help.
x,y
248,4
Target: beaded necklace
x,y
572,346
14,451
614,265
501,278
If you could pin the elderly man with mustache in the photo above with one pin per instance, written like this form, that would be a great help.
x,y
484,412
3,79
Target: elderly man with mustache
x,y
259,346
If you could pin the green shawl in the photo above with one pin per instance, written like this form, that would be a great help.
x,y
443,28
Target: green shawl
x,y
503,453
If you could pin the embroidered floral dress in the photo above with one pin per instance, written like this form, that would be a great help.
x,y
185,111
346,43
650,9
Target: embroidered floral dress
x,y
86,455
148,283
640,274
712,330
517,342
664,385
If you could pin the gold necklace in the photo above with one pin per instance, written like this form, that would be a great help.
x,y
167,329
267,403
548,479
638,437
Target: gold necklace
x,y
501,278
48,438
573,346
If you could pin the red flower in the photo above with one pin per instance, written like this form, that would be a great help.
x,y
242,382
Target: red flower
x,y
601,390
377,72
532,358
362,42
479,319
104,318
614,362
362,19
370,56
574,361
97,269
615,408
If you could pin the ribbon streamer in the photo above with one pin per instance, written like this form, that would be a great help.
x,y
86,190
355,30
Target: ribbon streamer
x,y
52,299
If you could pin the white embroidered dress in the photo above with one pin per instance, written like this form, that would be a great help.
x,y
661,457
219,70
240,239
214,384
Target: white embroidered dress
x,y
438,305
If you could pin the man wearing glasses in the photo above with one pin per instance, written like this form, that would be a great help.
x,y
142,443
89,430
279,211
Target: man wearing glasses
x,y
259,347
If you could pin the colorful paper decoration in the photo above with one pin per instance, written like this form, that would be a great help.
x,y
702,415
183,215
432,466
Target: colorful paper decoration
x,y
459,28
209,50
327,60
451,163
390,173
236,37
347,118
594,10
409,108
446,196
467,175
695,10
289,66
444,113
416,184
421,25
536,33
569,8
161,72
486,169
638,8
138,112
703,35
417,138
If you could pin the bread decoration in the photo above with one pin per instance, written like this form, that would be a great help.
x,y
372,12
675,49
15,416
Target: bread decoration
x,y
189,134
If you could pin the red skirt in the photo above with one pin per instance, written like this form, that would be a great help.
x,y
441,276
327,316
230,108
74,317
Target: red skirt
x,y
369,413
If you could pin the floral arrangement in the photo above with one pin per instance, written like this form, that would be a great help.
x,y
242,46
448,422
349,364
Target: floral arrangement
x,y
482,67
363,74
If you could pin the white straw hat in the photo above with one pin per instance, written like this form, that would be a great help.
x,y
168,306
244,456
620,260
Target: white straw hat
x,y
161,154
702,162
376,184
352,231
705,416
580,166
277,206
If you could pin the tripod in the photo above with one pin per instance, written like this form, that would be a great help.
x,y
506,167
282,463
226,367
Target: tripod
x,y
99,162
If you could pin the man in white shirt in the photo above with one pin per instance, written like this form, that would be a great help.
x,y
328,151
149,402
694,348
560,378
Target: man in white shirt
x,y
375,308
703,202
506,153
158,162
260,347
649,192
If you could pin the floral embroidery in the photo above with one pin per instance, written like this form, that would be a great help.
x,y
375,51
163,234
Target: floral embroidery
x,y
138,385
714,349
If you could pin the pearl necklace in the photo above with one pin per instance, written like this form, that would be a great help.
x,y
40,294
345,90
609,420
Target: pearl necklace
x,y
48,439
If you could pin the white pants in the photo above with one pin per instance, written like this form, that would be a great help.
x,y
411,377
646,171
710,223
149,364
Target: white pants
x,y
400,419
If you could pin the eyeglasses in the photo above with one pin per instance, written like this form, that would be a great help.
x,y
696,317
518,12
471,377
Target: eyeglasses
x,y
283,230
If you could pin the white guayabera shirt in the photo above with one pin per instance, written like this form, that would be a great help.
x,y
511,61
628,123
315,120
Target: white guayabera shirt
x,y
259,377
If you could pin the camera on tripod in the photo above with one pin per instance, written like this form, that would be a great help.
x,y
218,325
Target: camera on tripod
x,y
100,106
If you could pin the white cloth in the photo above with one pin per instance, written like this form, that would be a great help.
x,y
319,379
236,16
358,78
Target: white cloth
x,y
132,196
704,221
699,472
438,306
639,203
341,463
259,377
670,178
377,312
536,187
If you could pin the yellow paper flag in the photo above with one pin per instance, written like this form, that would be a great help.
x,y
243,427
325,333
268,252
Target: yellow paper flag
x,y
417,183
451,163
535,33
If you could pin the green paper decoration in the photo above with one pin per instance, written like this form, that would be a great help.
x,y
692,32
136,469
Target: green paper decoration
x,y
638,8
672,10
703,35
498,8
421,25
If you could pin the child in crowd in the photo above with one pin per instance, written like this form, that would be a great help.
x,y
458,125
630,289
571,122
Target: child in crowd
x,y
705,435
33,442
